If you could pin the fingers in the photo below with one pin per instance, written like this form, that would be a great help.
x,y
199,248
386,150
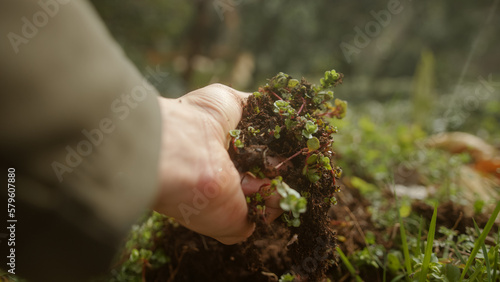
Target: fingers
x,y
273,209
240,228
272,213
252,185
218,110
226,215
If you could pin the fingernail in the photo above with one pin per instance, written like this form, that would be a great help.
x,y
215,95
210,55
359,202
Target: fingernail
x,y
245,180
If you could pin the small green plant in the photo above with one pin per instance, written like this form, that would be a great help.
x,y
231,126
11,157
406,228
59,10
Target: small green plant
x,y
309,129
331,79
280,80
283,108
290,123
276,133
315,164
287,277
140,254
313,144
235,134
291,201
256,171
253,131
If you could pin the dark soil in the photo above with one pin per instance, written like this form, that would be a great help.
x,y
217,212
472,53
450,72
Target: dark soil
x,y
266,255
311,252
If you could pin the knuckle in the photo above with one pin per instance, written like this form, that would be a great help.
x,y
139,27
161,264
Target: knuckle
x,y
220,86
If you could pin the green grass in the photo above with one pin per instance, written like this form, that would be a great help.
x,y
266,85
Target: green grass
x,y
480,242
485,253
404,243
428,247
348,265
495,260
421,264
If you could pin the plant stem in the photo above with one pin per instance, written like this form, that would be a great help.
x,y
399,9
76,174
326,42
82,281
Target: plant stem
x,y
276,95
333,177
290,158
302,107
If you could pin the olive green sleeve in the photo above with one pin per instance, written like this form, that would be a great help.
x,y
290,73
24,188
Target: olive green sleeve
x,y
81,127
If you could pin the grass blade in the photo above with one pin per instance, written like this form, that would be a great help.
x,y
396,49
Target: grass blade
x,y
457,253
495,261
398,278
485,253
404,242
476,273
495,267
481,239
428,247
348,265
419,244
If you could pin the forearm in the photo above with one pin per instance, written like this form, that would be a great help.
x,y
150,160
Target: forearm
x,y
78,122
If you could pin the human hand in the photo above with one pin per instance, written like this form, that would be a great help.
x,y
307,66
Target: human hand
x,y
199,185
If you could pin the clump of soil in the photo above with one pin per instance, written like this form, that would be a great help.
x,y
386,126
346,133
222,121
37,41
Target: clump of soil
x,y
287,120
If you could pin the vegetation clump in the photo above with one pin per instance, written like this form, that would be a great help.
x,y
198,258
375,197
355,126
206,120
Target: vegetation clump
x,y
293,119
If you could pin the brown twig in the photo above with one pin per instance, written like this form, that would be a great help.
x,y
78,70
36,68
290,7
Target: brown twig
x,y
460,216
290,158
356,223
174,272
276,95
302,107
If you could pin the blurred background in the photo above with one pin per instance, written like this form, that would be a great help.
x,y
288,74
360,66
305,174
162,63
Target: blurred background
x,y
431,55
412,68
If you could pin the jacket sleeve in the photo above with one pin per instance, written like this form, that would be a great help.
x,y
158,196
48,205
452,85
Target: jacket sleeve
x,y
81,128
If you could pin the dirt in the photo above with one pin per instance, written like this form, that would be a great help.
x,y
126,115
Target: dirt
x,y
451,216
311,253
266,255
352,220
